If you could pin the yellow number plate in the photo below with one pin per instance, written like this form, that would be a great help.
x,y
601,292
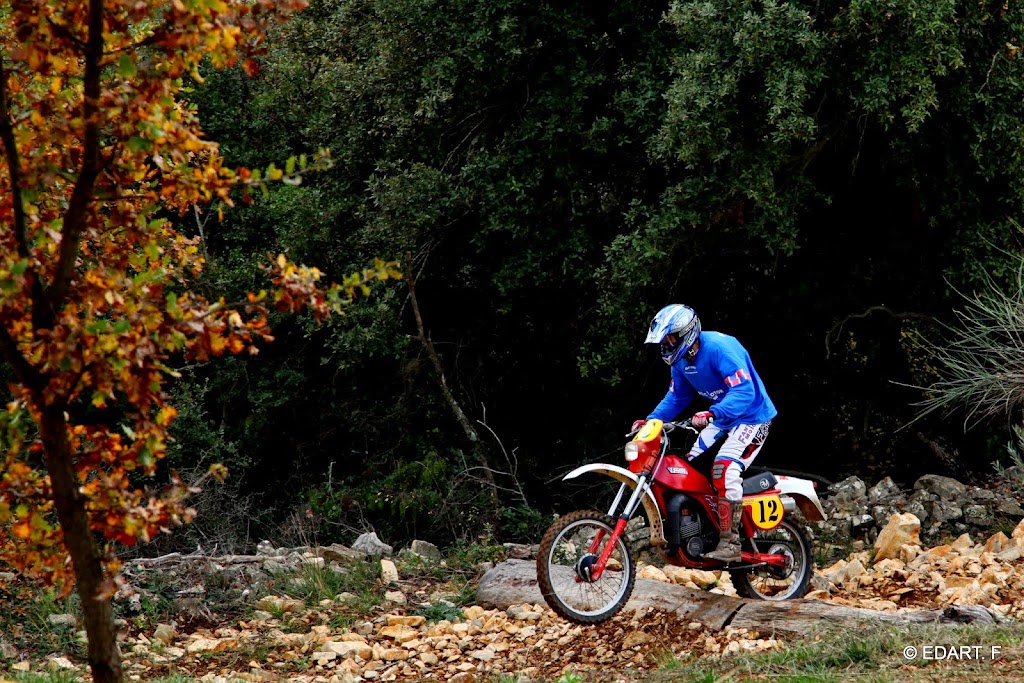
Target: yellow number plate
x,y
765,511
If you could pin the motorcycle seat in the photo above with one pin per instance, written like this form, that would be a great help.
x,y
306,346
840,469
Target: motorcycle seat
x,y
759,483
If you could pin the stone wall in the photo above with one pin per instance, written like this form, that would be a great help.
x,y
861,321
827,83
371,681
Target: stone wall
x,y
946,508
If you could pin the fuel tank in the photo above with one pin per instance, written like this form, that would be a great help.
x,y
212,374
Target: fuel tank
x,y
675,473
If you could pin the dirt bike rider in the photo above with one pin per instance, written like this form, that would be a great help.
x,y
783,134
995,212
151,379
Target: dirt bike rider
x,y
716,367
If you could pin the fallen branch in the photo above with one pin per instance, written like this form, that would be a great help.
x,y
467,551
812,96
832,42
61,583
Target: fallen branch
x,y
178,558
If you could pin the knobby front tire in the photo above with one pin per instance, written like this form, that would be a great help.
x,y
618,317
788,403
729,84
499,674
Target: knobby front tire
x,y
564,544
771,583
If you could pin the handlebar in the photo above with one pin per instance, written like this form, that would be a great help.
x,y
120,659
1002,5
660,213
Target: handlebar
x,y
669,426
685,424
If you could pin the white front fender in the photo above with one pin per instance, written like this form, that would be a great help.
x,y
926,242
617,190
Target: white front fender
x,y
626,477
803,494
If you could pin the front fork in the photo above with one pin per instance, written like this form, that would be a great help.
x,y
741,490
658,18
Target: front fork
x,y
591,570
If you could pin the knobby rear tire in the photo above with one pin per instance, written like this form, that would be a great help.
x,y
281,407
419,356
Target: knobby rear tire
x,y
563,544
764,583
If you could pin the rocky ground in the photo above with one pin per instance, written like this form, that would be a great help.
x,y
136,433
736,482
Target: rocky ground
x,y
899,574
417,633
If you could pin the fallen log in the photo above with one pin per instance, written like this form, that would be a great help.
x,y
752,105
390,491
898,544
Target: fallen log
x,y
178,558
514,582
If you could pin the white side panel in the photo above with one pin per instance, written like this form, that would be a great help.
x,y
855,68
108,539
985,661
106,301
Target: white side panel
x,y
803,492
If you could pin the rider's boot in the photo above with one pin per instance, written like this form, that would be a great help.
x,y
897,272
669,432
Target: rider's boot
x,y
731,515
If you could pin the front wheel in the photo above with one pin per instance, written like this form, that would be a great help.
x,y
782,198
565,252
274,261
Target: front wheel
x,y
567,551
771,582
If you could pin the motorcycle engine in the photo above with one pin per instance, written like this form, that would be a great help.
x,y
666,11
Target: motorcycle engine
x,y
695,542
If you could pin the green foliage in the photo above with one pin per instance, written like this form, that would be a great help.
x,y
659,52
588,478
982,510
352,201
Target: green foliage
x,y
465,558
522,524
741,109
56,676
819,179
155,603
837,655
461,567
978,355
24,621
1013,473
174,678
313,583
429,498
440,610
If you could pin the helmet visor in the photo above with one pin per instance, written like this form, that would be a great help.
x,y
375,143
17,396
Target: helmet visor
x,y
670,344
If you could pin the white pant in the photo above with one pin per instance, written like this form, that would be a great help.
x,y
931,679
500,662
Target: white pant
x,y
742,444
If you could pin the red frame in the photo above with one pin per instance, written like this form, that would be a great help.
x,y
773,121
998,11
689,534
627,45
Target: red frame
x,y
692,481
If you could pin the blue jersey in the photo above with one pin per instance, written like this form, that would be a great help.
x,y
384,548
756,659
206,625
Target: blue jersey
x,y
723,373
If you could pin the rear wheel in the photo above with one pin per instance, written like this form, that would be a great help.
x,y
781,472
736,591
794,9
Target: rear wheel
x,y
772,582
564,562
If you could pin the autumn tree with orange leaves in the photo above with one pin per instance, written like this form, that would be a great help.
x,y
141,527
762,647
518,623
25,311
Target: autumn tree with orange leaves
x,y
99,155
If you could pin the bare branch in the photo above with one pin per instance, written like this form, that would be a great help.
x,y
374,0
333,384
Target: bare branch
x,y
13,165
837,329
513,462
39,304
435,360
202,234
27,374
991,68
65,33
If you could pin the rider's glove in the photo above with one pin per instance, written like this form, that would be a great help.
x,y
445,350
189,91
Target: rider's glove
x,y
702,419
637,425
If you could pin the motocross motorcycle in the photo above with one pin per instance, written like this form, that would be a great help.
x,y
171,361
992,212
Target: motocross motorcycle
x,y
586,567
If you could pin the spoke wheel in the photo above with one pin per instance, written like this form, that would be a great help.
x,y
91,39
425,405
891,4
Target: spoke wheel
x,y
770,582
564,559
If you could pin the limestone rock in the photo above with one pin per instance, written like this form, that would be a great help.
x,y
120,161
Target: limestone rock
x,y
882,491
64,620
58,663
902,530
388,571
340,553
963,542
369,544
276,603
997,543
7,651
635,638
978,515
1010,507
849,496
652,572
426,550
164,634
348,649
945,488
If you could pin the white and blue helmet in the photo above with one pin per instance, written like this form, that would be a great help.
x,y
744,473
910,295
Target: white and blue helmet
x,y
675,329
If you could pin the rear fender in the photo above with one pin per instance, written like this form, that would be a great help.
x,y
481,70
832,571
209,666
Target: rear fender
x,y
803,494
626,477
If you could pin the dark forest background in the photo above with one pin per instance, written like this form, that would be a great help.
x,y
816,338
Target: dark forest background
x,y
819,179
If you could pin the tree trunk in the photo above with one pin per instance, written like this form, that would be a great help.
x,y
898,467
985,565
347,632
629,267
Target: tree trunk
x,y
82,546
514,582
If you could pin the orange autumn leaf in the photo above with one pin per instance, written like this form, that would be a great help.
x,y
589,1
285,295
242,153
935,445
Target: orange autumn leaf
x,y
99,301
22,530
